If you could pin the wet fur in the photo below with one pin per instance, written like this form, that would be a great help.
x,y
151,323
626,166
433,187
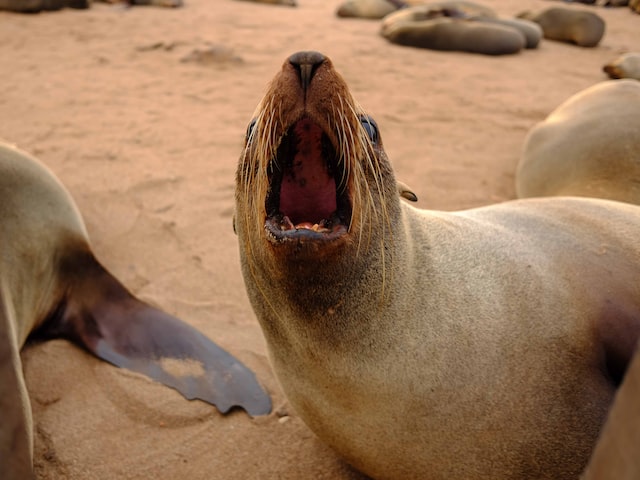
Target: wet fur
x,y
433,345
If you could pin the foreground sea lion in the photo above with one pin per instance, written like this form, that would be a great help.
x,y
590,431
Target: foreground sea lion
x,y
579,27
419,344
451,30
588,146
51,284
626,65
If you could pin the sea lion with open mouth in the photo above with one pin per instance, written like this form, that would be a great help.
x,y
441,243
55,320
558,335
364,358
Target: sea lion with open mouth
x,y
52,285
485,343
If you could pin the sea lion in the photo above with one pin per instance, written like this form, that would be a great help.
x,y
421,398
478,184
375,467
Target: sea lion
x,y
616,454
52,285
454,34
531,31
367,9
286,3
35,6
626,65
588,146
579,27
485,343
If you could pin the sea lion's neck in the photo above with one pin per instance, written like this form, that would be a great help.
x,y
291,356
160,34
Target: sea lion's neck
x,y
332,301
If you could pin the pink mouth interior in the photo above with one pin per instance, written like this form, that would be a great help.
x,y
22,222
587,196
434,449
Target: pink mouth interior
x,y
308,190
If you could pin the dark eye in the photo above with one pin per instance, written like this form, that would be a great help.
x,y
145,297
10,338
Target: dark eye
x,y
371,128
250,128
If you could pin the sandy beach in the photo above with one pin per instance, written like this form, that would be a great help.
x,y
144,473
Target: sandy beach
x,y
146,138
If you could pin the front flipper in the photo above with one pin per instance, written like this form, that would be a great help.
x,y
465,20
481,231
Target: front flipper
x,y
101,315
173,353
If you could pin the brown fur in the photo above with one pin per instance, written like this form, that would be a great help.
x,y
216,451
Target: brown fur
x,y
431,345
588,146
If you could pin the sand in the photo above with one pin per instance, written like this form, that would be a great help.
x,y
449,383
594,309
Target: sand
x,y
147,143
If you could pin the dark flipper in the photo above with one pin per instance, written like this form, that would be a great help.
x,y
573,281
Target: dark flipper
x,y
100,314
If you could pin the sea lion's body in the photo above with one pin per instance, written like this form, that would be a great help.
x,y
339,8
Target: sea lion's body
x,y
376,9
419,344
453,34
626,65
50,282
368,9
580,27
588,146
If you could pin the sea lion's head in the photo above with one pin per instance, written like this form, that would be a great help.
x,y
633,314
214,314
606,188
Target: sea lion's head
x,y
316,199
313,176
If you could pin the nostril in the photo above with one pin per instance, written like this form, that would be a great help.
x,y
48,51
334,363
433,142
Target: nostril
x,y
306,63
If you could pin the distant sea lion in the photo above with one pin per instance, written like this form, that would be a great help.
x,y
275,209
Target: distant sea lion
x,y
579,27
287,3
485,343
51,284
453,34
588,146
368,9
34,6
626,65
376,9
532,31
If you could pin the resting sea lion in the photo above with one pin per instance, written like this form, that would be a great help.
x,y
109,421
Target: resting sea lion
x,y
626,65
485,343
34,6
376,9
532,31
443,32
287,3
50,282
369,9
588,146
579,27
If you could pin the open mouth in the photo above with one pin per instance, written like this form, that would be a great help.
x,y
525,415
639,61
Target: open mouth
x,y
308,197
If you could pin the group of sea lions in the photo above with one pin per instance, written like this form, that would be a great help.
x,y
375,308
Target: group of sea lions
x,y
471,27
486,343
35,6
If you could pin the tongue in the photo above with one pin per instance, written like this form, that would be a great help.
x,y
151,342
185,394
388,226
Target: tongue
x,y
308,191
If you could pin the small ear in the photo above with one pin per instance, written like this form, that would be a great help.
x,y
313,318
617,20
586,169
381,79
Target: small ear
x,y
406,192
101,315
